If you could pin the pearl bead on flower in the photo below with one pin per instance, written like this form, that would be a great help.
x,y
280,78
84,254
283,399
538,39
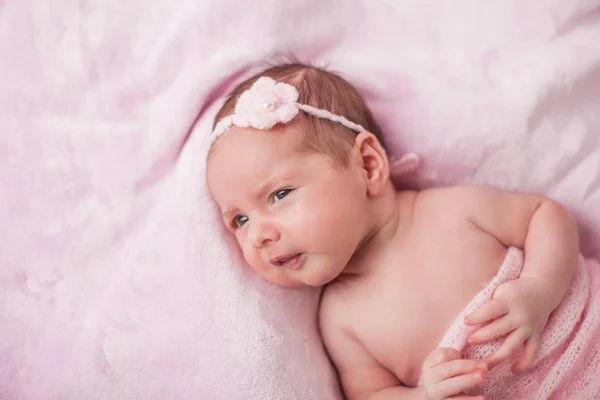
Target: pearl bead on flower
x,y
269,105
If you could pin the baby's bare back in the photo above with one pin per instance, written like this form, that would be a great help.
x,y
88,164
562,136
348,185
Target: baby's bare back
x,y
399,312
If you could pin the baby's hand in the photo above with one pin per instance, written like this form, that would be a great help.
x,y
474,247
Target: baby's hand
x,y
518,311
445,375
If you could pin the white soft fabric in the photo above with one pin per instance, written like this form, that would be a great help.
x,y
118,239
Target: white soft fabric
x,y
116,280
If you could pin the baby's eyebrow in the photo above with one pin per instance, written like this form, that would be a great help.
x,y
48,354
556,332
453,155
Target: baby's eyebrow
x,y
265,188
271,183
262,190
226,212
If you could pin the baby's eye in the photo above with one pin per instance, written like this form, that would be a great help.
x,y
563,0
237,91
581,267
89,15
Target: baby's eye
x,y
240,220
280,194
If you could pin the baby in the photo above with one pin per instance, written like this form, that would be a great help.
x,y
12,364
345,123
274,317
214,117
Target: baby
x,y
299,172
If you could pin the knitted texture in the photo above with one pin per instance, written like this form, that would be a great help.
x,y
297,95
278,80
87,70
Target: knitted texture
x,y
568,363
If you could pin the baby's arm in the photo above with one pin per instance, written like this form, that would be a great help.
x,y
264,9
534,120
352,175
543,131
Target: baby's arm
x,y
547,233
363,378
542,227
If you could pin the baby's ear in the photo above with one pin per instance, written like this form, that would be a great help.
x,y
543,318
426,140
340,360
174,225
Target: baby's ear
x,y
373,161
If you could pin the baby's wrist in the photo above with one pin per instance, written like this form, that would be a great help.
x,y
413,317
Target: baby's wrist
x,y
551,291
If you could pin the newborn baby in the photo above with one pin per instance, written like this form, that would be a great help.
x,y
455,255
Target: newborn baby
x,y
299,172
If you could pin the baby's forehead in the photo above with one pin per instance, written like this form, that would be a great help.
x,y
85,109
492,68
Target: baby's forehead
x,y
253,152
274,142
237,173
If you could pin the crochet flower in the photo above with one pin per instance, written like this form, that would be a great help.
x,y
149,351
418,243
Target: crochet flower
x,y
265,104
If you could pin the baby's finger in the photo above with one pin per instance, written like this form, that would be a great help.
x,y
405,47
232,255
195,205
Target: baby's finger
x,y
487,312
510,345
455,368
441,355
458,384
494,330
531,348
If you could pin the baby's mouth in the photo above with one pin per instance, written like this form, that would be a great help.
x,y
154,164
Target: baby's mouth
x,y
292,261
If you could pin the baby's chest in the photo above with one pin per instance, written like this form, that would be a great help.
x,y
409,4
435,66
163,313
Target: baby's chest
x,y
403,321
400,336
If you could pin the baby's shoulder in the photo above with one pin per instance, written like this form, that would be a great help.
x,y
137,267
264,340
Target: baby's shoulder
x,y
459,199
335,308
457,192
453,198
332,301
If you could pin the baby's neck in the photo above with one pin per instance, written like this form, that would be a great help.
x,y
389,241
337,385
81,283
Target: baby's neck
x,y
391,218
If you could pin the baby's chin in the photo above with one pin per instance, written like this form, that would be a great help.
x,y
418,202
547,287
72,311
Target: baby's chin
x,y
309,275
319,276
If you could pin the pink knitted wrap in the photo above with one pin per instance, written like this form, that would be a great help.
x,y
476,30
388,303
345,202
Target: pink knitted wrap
x,y
568,363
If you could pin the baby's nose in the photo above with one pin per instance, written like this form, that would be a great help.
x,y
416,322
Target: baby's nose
x,y
263,234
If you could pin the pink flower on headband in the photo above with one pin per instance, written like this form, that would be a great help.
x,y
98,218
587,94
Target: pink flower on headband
x,y
268,103
265,104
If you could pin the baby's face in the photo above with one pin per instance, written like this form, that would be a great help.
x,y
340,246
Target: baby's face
x,y
297,218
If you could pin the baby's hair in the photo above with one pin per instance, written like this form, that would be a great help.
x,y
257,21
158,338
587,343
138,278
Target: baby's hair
x,y
320,89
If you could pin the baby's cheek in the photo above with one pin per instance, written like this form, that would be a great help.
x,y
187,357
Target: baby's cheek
x,y
318,210
337,215
249,254
274,275
253,258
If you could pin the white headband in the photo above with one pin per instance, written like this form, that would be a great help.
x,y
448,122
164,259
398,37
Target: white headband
x,y
268,103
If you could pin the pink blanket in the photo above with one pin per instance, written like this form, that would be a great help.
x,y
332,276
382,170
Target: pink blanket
x,y
568,363
116,280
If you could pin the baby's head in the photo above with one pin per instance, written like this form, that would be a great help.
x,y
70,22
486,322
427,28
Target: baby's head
x,y
298,170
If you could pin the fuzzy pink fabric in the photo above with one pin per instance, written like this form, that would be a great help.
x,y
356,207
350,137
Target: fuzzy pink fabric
x,y
568,362
116,279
